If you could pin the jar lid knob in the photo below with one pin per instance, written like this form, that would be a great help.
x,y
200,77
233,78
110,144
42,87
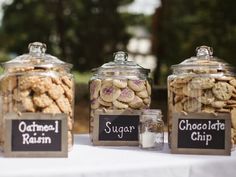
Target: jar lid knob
x,y
204,51
37,49
120,56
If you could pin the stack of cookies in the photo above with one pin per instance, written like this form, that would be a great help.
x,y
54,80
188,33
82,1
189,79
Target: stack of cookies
x,y
39,90
118,94
203,93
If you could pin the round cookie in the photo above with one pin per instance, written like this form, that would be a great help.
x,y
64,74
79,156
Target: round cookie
x,y
218,104
53,108
94,87
136,85
177,91
182,80
104,103
56,91
207,97
120,83
222,91
192,105
109,92
120,105
136,103
142,94
233,82
126,95
42,100
201,83
147,101
188,91
208,109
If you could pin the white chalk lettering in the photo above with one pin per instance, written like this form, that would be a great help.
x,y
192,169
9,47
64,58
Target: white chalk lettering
x,y
118,130
27,139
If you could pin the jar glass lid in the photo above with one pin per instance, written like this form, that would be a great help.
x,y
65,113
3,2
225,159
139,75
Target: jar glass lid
x,y
203,61
36,58
121,63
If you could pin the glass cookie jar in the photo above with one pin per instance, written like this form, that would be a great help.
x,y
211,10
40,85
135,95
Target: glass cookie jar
x,y
37,83
202,84
119,85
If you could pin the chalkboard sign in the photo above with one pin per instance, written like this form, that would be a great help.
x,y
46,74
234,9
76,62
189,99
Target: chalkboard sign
x,y
201,133
36,134
116,127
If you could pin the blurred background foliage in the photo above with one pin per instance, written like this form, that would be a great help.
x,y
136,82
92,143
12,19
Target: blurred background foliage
x,y
87,32
82,32
184,25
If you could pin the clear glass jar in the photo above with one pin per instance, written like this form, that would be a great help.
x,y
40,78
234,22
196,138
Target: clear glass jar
x,y
37,83
119,85
151,130
202,83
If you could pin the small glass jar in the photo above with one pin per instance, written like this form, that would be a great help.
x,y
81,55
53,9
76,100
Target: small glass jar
x,y
151,130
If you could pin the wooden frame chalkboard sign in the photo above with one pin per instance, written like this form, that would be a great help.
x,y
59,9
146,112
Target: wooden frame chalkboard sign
x,y
201,133
116,127
35,135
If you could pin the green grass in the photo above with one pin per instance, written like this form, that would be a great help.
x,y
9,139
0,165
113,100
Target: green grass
x,y
82,77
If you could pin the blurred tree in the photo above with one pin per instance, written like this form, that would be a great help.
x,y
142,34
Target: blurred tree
x,y
184,25
79,31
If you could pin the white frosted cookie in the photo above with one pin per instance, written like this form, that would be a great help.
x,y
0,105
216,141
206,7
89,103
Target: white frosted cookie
x,y
120,105
95,86
142,94
136,103
126,95
147,101
136,85
120,83
222,90
104,103
109,92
